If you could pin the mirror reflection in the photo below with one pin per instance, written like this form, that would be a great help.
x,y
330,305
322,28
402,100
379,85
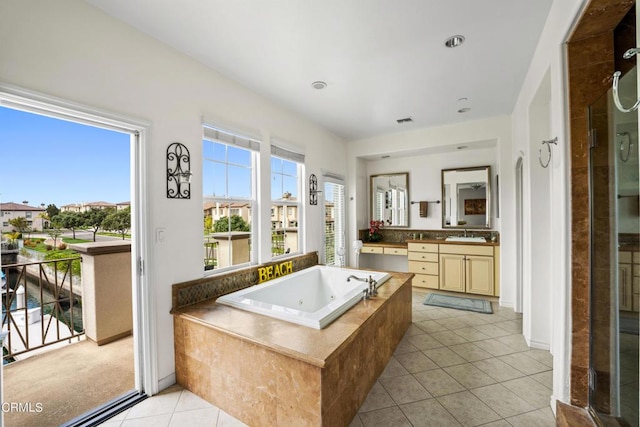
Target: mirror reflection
x,y
390,199
466,197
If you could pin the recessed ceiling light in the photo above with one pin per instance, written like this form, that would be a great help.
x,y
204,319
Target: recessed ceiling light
x,y
464,110
386,156
318,85
454,41
461,147
404,120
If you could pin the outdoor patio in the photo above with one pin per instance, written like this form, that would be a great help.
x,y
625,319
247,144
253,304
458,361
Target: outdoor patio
x,y
68,381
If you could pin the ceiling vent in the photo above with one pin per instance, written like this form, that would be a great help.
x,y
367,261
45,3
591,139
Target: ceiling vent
x,y
405,120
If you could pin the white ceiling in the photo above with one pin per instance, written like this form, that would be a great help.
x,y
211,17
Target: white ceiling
x,y
382,59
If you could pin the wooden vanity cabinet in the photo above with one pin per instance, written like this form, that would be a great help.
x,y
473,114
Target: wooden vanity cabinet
x,y
423,261
625,281
629,280
467,268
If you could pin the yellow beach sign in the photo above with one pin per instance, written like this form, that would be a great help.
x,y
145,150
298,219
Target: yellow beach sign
x,y
276,270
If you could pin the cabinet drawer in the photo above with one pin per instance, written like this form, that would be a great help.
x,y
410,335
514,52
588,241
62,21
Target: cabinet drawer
x,y
395,251
636,257
372,250
466,249
423,247
423,267
423,256
425,281
624,257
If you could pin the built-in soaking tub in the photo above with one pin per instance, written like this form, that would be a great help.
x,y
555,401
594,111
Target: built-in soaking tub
x,y
313,297
270,372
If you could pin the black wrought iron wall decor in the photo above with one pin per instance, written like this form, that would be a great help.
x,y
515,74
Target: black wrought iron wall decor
x,y
313,190
178,172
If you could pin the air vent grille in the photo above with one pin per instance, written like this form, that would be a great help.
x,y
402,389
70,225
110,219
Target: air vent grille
x,y
405,120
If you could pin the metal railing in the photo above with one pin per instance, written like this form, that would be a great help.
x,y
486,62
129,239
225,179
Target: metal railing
x,y
210,254
41,305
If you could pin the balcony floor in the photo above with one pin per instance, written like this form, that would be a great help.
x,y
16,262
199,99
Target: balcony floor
x,y
68,381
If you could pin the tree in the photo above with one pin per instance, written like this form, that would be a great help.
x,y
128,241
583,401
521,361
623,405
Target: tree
x,y
119,221
208,223
94,218
20,224
54,232
52,210
237,223
70,220
45,219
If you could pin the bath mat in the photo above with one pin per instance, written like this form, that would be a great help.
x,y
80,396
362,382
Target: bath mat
x,y
459,303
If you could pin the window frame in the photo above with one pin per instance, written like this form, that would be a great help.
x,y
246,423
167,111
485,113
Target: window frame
x,y
215,135
298,204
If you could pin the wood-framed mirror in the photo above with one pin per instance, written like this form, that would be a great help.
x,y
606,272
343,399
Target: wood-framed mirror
x,y
390,199
466,197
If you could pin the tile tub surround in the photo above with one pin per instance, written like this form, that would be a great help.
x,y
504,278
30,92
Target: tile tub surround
x,y
195,291
265,371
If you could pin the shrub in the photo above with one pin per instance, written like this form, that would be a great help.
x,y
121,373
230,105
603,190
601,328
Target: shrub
x,y
49,247
62,246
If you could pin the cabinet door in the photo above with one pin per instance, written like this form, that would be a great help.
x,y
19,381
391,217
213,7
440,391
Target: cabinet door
x,y
625,295
452,272
479,271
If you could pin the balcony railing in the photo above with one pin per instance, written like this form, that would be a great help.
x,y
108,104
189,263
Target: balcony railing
x,y
41,305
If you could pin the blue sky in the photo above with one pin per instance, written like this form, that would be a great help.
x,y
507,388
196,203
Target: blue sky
x,y
52,161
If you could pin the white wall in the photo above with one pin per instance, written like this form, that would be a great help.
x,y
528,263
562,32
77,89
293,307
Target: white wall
x,y
73,51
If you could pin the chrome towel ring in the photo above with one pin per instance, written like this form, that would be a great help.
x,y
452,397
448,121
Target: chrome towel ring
x,y
616,80
547,142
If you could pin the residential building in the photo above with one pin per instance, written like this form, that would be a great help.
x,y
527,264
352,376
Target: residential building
x,y
32,214
219,210
84,206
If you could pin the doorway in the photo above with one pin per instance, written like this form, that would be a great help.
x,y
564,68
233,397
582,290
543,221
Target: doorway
x,y
519,235
334,220
37,108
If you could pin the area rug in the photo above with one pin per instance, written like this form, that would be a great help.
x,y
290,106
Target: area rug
x,y
459,303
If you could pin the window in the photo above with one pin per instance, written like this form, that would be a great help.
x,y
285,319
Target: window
x,y
228,183
27,214
286,206
334,220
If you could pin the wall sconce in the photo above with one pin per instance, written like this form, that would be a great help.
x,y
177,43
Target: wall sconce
x,y
313,190
178,172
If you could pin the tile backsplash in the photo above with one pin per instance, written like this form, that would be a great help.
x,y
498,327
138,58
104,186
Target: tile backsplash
x,y
195,291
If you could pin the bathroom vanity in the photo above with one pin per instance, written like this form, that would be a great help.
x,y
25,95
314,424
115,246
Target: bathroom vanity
x,y
467,267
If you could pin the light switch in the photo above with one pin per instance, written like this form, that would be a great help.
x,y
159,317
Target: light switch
x,y
160,232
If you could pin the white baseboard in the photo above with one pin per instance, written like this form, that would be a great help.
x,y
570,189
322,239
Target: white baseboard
x,y
167,381
539,345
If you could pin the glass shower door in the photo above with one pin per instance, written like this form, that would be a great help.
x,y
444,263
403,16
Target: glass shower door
x,y
615,257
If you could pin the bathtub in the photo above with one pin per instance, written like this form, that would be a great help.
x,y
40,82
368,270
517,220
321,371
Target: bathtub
x,y
312,297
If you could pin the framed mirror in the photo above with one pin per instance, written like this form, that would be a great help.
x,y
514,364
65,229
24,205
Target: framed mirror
x,y
466,197
390,199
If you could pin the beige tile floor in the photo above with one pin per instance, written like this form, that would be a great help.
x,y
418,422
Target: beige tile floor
x,y
452,368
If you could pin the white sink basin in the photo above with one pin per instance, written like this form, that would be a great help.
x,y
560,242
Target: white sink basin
x,y
466,239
